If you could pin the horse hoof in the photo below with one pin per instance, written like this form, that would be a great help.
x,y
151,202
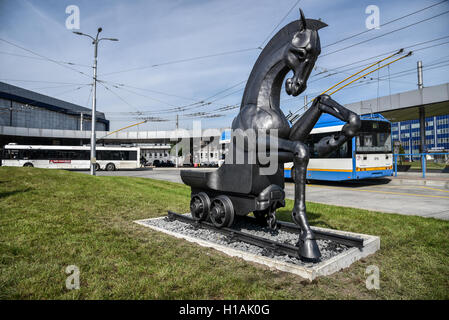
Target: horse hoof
x,y
308,250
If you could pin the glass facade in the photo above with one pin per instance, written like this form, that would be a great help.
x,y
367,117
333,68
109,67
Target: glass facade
x,y
408,133
28,116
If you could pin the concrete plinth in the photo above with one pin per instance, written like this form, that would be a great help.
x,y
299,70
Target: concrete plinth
x,y
342,260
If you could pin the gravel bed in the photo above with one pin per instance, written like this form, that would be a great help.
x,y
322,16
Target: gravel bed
x,y
328,248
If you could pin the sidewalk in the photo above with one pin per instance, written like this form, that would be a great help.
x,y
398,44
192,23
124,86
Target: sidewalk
x,y
432,179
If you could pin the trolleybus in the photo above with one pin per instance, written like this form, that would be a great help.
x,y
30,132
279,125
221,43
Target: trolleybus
x,y
367,155
70,157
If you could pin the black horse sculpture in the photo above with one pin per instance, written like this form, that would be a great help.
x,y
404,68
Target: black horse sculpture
x,y
236,189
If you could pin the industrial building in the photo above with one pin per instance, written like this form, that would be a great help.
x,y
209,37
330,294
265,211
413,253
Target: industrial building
x,y
22,108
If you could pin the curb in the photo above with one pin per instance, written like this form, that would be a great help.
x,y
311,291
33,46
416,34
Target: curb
x,y
415,182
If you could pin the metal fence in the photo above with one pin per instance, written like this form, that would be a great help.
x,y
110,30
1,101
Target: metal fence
x,y
435,161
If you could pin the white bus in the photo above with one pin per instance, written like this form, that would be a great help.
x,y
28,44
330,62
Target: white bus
x,y
368,155
70,157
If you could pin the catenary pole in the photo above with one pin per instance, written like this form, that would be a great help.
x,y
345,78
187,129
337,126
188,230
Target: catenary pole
x,y
93,139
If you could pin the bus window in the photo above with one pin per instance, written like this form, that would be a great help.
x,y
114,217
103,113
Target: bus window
x,y
13,154
132,155
81,155
116,155
374,137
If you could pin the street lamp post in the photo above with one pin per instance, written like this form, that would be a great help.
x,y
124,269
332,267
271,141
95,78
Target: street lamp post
x,y
93,138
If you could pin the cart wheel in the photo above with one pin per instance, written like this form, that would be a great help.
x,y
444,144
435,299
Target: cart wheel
x,y
200,206
222,212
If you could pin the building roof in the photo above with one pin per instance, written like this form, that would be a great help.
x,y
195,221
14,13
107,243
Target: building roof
x,y
405,105
10,92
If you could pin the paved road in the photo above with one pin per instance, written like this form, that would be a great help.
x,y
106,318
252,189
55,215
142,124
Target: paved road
x,y
379,196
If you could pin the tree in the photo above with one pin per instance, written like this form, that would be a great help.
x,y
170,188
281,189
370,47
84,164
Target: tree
x,y
402,157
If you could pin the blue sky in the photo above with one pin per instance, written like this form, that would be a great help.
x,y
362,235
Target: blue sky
x,y
154,32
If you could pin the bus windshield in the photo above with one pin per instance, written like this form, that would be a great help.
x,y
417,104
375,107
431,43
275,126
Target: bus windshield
x,y
374,137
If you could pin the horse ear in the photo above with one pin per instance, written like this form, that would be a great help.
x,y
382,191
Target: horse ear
x,y
303,20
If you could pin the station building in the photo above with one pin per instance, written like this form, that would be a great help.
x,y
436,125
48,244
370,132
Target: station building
x,y
22,108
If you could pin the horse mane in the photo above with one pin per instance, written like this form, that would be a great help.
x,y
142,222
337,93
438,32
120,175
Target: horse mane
x,y
285,35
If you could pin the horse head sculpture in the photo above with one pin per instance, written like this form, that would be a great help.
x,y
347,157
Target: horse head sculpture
x,y
301,54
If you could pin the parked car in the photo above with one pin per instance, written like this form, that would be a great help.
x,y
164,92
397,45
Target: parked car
x,y
209,164
163,163
169,163
157,163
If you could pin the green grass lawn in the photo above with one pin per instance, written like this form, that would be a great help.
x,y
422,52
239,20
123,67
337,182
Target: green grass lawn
x,y
429,165
51,219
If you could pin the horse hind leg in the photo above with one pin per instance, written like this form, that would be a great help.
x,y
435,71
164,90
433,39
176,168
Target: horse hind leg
x,y
308,247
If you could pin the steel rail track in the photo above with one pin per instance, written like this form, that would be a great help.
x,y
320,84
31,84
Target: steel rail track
x,y
270,247
320,234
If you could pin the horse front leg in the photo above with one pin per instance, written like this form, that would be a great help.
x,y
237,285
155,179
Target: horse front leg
x,y
330,143
325,104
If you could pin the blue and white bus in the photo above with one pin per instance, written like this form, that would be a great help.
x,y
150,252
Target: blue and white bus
x,y
368,155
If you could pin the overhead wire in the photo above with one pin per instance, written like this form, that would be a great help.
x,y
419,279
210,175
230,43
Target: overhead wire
x,y
71,90
336,71
384,24
292,115
38,58
279,23
385,34
391,51
180,61
204,103
39,81
44,57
